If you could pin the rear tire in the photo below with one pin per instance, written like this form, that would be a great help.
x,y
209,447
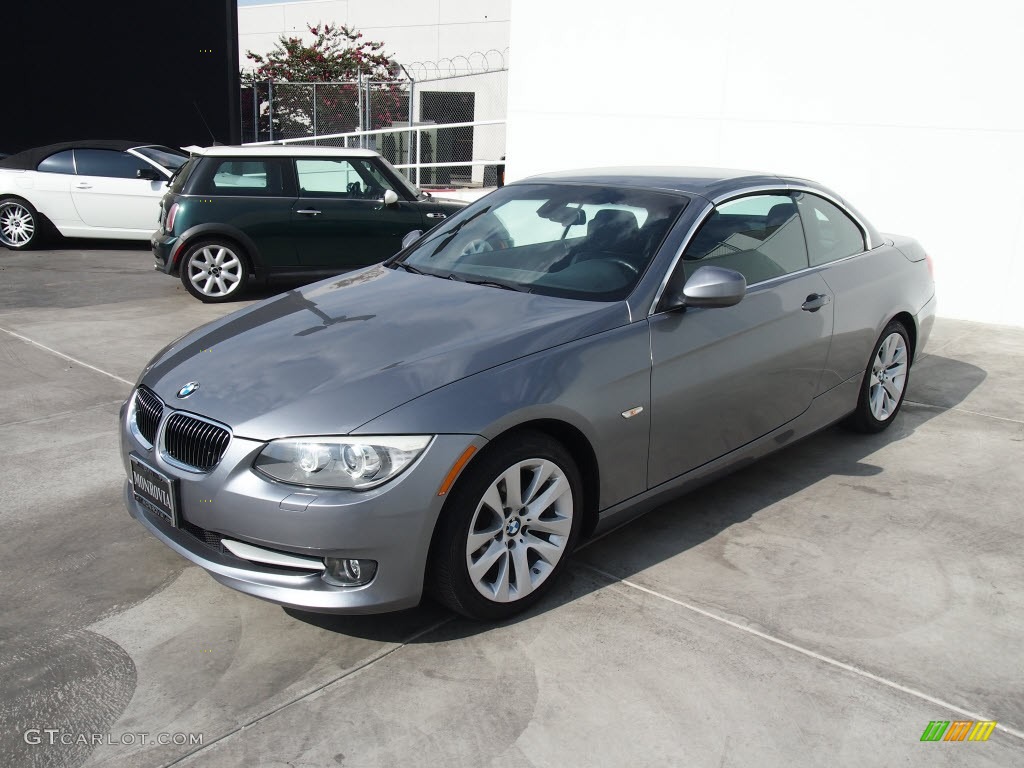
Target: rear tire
x,y
885,381
21,226
498,547
215,271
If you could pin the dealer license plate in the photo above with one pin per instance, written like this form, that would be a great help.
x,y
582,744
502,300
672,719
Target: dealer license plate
x,y
154,490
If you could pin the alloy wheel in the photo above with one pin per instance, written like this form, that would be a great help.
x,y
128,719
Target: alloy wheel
x,y
215,270
888,376
17,224
520,530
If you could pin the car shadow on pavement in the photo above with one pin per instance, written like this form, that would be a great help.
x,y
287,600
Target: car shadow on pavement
x,y
695,518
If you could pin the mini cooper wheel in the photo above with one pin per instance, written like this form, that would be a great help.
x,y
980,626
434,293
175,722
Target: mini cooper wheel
x,y
214,271
508,527
20,224
885,381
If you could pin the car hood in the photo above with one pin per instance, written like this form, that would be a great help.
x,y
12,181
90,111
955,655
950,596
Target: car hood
x,y
330,357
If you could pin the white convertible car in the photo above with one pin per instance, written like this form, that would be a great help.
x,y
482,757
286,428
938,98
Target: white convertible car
x,y
108,189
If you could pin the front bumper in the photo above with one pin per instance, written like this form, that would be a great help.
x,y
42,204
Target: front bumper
x,y
391,524
163,246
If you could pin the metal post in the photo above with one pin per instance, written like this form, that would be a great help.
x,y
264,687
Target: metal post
x,y
369,113
315,142
359,104
412,107
419,156
270,107
255,111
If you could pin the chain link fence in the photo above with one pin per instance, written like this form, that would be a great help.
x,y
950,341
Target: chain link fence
x,y
440,131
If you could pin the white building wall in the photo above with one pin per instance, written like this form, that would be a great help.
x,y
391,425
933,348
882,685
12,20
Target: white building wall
x,y
412,31
910,109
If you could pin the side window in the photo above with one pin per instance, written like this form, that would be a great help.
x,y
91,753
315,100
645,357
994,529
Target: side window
x,y
107,162
62,162
329,178
758,236
375,181
831,234
239,177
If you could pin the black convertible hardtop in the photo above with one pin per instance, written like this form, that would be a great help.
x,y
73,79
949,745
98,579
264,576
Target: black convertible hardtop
x,y
28,159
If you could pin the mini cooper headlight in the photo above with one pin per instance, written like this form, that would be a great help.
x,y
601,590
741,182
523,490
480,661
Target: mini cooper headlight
x,y
339,462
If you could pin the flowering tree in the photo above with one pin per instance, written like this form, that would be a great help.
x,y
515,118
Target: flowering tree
x,y
337,54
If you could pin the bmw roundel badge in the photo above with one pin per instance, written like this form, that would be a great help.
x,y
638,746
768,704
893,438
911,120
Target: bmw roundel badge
x,y
188,389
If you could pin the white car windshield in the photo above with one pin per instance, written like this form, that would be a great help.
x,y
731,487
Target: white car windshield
x,y
165,156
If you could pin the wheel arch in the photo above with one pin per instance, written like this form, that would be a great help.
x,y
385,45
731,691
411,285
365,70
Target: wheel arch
x,y
586,461
580,449
567,435
203,232
47,229
910,324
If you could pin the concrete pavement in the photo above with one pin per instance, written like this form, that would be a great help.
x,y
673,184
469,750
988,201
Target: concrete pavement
x,y
818,608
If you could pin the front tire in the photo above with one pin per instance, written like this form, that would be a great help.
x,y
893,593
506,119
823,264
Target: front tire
x,y
885,381
215,271
507,528
20,224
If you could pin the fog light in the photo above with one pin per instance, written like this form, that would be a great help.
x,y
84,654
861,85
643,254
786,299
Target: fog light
x,y
349,573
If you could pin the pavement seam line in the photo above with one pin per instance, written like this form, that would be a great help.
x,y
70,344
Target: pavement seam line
x,y
62,413
347,673
67,357
806,651
963,410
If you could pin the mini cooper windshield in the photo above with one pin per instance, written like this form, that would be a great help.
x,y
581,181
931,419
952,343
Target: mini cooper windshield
x,y
573,241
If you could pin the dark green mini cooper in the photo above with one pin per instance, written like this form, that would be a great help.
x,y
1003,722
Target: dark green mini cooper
x,y
236,214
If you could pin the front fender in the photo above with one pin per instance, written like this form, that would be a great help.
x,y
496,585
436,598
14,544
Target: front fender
x,y
588,383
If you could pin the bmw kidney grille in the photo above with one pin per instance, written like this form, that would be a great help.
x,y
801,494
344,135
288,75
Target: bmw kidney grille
x,y
148,412
189,441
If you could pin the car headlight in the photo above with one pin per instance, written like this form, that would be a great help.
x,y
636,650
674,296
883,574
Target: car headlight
x,y
339,462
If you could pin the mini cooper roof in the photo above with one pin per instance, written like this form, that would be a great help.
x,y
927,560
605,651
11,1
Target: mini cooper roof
x,y
279,150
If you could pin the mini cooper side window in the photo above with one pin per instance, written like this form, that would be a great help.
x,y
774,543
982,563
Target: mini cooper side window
x,y
237,177
62,162
345,179
759,236
831,234
373,179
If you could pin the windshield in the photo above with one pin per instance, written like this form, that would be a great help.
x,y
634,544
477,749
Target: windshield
x,y
569,240
169,158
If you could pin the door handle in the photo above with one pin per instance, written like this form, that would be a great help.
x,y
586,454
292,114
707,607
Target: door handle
x,y
310,212
815,302
83,185
437,215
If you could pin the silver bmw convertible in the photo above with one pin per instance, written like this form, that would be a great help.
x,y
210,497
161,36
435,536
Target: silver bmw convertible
x,y
561,355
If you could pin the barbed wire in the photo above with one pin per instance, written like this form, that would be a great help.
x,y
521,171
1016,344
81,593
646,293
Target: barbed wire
x,y
476,62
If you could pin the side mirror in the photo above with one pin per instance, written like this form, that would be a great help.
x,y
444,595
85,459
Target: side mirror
x,y
710,287
390,198
149,174
411,237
